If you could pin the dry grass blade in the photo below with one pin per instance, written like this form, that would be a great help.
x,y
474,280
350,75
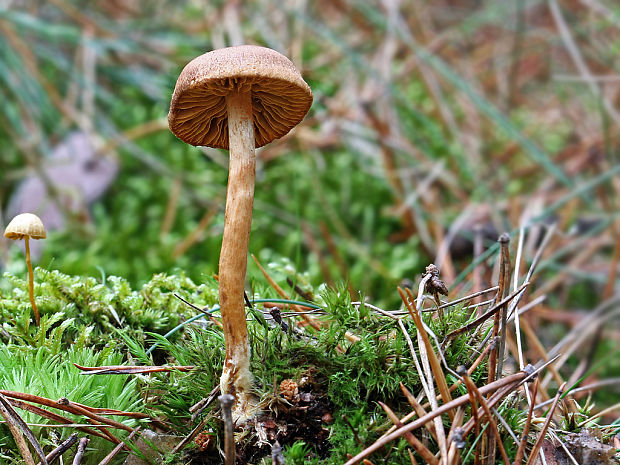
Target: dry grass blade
x,y
526,428
418,410
455,437
129,370
114,452
412,458
489,313
474,413
543,431
428,357
471,388
509,383
414,442
452,389
442,385
17,435
18,427
54,417
315,324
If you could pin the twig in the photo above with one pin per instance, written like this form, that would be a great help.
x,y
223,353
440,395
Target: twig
x,y
199,406
499,324
453,388
8,408
61,449
455,437
469,297
277,457
12,421
589,387
77,460
227,401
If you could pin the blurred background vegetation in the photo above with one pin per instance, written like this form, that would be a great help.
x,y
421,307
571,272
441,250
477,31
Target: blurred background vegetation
x,y
433,123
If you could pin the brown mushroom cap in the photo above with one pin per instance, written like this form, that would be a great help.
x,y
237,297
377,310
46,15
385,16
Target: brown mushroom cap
x,y
280,96
25,224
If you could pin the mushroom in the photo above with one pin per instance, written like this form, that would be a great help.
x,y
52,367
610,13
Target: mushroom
x,y
26,226
237,98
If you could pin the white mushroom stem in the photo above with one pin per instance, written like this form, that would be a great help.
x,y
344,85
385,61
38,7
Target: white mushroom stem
x,y
31,282
236,376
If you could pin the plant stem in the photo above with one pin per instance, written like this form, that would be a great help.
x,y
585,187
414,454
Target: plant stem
x,y
37,318
236,376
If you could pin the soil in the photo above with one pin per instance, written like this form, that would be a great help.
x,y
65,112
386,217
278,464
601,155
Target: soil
x,y
304,416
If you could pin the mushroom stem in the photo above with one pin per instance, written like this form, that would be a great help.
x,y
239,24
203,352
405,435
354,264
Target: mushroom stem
x,y
31,282
236,376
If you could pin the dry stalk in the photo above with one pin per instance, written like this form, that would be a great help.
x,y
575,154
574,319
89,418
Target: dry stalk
x,y
114,452
16,428
77,460
427,357
543,431
439,376
471,388
455,437
453,388
492,311
526,429
418,409
61,449
54,417
414,442
474,411
501,387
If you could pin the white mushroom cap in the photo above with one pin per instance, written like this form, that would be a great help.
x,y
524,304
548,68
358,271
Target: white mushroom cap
x,y
25,224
